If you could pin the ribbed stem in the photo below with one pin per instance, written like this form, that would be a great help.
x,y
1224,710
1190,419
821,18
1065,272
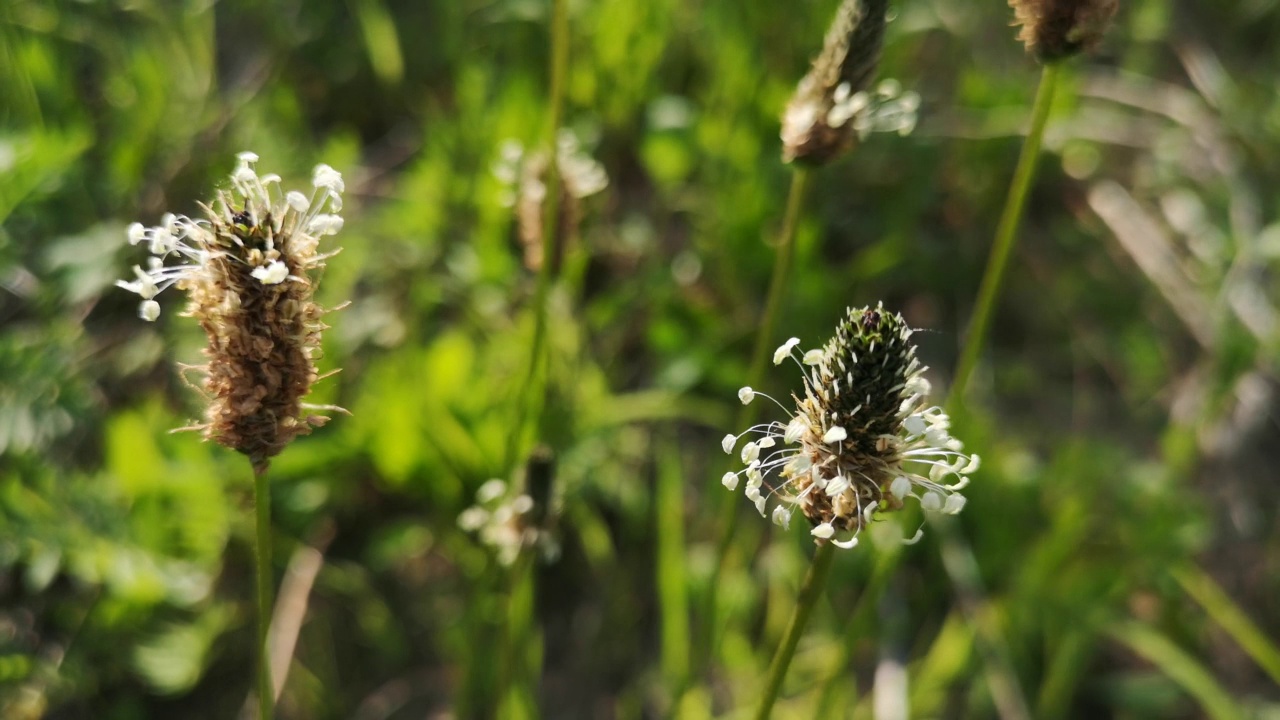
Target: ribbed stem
x,y
262,563
1006,235
779,285
814,582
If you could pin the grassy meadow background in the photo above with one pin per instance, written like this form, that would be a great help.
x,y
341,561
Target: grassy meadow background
x,y
1124,522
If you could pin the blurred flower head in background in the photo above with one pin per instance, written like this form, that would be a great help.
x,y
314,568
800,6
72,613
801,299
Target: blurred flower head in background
x,y
1057,29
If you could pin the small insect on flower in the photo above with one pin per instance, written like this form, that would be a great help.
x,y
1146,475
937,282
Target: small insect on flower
x,y
860,441
249,270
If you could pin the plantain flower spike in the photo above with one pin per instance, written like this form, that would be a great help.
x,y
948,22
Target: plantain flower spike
x,y
1057,29
860,441
249,269
524,173
834,105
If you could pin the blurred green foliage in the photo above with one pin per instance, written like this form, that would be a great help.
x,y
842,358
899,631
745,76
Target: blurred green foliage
x,y
1124,521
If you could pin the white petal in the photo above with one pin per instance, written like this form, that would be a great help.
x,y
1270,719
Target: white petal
x,y
730,481
900,487
326,225
273,273
728,442
814,357
824,531
837,485
136,233
784,350
955,503
974,461
765,442
914,424
472,519
781,517
931,501
750,452
491,490
834,435
326,177
795,429
799,464
247,156
149,310
746,395
297,201
760,506
849,544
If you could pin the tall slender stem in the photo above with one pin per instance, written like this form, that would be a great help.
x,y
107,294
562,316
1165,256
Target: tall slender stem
x,y
814,582
779,284
532,390
262,562
1006,234
517,625
958,557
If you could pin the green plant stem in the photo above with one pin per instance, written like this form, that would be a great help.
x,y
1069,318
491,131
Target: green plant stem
x,y
1006,234
958,557
514,700
814,582
262,562
671,580
517,627
533,388
779,284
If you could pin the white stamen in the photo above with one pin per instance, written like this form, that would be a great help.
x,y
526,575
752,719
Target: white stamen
x,y
272,273
782,518
784,350
900,487
931,502
728,442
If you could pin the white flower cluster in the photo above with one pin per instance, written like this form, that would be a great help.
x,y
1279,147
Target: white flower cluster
x,y
523,173
181,248
838,486
505,524
886,109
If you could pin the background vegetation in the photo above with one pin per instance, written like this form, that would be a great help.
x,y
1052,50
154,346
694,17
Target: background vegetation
x,y
1124,522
